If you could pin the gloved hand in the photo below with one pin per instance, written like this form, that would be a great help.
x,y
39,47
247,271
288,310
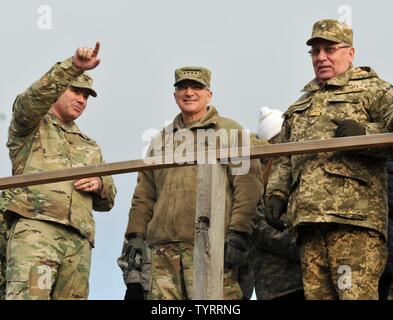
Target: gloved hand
x,y
136,252
237,249
275,208
134,291
348,128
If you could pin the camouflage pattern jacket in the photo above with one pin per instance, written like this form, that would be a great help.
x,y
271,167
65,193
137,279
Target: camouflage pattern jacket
x,y
275,260
336,187
4,230
38,141
275,257
164,201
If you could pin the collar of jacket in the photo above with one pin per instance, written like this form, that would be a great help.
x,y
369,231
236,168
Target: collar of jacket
x,y
353,73
67,127
208,120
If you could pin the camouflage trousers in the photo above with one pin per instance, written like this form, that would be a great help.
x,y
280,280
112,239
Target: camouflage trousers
x,y
3,249
46,261
341,262
172,272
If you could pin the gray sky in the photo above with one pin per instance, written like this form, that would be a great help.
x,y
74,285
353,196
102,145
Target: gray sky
x,y
255,49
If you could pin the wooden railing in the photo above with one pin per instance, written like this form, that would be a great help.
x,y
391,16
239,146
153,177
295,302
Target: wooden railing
x,y
209,228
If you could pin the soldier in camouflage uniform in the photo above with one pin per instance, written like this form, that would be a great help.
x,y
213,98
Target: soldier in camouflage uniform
x,y
275,259
337,201
52,231
164,202
4,198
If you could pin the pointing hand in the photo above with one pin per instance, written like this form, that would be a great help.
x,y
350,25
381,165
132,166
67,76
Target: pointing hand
x,y
87,58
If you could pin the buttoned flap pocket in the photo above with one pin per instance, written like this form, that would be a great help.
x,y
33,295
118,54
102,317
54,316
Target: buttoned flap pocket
x,y
83,151
54,146
340,168
298,107
351,96
347,191
348,104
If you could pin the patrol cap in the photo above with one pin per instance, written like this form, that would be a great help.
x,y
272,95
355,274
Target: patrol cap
x,y
331,30
84,81
195,73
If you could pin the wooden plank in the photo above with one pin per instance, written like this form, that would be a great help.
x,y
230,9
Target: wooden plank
x,y
208,271
312,146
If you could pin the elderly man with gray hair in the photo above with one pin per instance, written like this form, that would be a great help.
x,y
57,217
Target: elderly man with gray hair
x,y
336,201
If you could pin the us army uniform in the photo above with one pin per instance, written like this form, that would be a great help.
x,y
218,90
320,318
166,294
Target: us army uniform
x,y
4,230
49,250
164,204
337,201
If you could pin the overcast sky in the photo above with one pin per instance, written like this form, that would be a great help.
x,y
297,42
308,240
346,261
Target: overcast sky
x,y
255,49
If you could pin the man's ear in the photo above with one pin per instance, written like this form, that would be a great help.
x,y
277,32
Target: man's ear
x,y
351,55
210,96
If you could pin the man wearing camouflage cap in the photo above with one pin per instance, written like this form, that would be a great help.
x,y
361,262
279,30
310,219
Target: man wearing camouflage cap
x,y
164,201
52,231
336,201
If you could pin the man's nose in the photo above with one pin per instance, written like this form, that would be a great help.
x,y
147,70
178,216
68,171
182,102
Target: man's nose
x,y
322,55
189,91
81,98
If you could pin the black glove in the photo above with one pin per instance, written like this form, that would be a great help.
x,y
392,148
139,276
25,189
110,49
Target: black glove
x,y
348,128
237,249
134,292
275,208
136,252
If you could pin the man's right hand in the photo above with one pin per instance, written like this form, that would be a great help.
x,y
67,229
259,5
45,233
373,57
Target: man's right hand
x,y
86,58
134,292
275,208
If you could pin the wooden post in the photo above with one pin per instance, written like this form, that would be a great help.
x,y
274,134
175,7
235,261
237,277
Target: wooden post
x,y
209,233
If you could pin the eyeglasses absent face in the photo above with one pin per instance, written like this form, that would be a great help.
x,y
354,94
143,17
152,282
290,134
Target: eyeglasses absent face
x,y
184,85
192,98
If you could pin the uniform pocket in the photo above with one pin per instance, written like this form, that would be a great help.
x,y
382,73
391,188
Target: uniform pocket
x,y
298,107
53,144
343,170
348,105
344,187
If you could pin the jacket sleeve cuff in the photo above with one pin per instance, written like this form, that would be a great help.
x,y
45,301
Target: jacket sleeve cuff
x,y
70,69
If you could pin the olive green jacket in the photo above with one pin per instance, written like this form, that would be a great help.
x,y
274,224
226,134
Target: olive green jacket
x,y
164,202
